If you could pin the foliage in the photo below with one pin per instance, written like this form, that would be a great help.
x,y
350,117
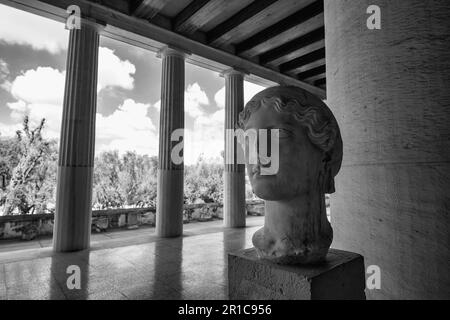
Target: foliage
x,y
124,181
203,182
28,165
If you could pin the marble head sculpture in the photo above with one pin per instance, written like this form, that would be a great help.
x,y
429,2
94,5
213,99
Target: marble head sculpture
x,y
296,229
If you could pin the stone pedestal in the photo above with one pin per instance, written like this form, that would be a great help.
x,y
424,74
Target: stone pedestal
x,y
340,277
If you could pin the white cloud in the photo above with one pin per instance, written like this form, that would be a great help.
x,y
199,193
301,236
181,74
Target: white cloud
x,y
128,116
195,99
23,28
250,89
40,92
46,85
42,85
127,129
112,71
9,130
206,138
157,105
4,75
219,98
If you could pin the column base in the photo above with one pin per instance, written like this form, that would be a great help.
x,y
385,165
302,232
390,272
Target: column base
x,y
341,277
234,213
169,210
72,228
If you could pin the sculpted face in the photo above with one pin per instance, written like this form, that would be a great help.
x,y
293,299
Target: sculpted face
x,y
296,228
299,160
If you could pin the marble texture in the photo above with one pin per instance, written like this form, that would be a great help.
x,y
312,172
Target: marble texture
x,y
169,211
341,277
307,158
389,90
234,173
72,226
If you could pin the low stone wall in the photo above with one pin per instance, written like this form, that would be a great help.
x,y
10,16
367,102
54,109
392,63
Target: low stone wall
x,y
28,227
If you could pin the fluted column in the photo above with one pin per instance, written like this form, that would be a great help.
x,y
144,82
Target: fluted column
x,y
169,211
234,175
76,152
389,91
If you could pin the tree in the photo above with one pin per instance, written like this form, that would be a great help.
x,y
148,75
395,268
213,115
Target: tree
x,y
106,189
204,182
148,183
138,179
124,181
9,158
32,183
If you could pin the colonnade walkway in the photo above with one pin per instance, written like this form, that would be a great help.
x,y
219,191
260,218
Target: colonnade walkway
x,y
130,265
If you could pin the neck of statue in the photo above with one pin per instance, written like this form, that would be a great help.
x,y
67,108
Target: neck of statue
x,y
301,219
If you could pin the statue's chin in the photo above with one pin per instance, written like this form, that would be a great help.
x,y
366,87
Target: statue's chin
x,y
269,193
281,251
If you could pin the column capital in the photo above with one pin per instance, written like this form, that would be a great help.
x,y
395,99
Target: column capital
x,y
95,24
171,51
233,72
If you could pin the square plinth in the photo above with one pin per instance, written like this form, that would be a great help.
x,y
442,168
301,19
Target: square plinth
x,y
341,277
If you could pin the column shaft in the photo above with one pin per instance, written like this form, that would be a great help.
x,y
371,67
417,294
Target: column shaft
x,y
234,176
389,90
169,212
76,152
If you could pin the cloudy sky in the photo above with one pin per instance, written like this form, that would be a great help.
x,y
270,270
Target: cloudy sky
x,y
32,71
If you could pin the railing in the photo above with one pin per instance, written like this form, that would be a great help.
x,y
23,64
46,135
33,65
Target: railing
x,y
29,226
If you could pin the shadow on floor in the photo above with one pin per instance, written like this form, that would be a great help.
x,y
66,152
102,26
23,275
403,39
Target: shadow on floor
x,y
130,265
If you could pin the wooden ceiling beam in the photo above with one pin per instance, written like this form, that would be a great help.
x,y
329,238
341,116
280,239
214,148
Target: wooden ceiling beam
x,y
315,78
292,46
293,20
311,73
238,18
183,21
320,82
306,67
303,60
150,36
146,9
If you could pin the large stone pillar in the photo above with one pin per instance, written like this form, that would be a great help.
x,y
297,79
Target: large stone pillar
x,y
389,90
72,227
234,175
169,211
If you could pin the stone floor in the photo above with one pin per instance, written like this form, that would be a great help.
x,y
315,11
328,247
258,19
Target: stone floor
x,y
128,265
